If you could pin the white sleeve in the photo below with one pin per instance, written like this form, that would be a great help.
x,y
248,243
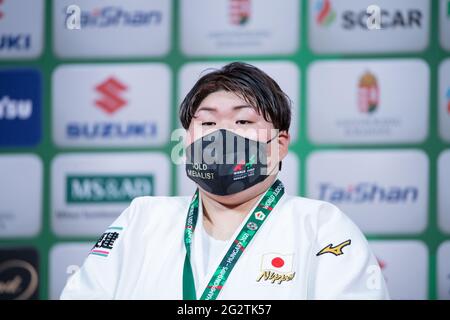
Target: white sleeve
x,y
98,277
342,264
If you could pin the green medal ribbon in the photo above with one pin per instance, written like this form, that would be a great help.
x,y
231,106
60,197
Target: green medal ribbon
x,y
247,233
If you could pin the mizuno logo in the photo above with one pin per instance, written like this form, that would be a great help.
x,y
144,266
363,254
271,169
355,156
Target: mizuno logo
x,y
336,250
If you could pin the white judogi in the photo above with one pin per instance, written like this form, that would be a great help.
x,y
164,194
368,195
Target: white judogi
x,y
146,259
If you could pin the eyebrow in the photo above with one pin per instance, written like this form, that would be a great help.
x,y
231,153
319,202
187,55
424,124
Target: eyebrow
x,y
212,109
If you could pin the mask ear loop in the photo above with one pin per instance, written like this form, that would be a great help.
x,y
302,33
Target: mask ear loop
x,y
269,141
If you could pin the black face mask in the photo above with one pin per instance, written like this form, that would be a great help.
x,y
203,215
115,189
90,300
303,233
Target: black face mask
x,y
225,163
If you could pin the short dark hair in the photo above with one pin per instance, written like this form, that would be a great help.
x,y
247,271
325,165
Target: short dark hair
x,y
249,83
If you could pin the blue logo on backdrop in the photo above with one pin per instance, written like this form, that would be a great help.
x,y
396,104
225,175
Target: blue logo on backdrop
x,y
368,193
20,107
15,42
114,16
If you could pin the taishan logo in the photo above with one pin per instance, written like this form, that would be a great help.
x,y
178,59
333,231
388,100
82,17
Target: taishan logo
x,y
114,16
239,11
368,93
110,101
368,192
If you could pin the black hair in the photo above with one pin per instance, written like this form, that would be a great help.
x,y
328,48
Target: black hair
x,y
249,83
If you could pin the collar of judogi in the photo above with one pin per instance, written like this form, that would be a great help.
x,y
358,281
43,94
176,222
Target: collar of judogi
x,y
237,248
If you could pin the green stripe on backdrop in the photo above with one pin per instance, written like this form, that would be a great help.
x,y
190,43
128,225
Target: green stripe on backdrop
x,y
432,236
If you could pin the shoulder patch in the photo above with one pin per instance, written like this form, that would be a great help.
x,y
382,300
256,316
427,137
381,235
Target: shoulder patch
x,y
105,243
336,250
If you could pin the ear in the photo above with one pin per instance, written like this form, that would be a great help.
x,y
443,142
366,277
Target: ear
x,y
279,146
284,139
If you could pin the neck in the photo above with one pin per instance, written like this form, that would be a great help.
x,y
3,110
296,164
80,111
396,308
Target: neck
x,y
222,220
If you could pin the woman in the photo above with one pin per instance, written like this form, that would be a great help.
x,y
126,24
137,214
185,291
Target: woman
x,y
240,236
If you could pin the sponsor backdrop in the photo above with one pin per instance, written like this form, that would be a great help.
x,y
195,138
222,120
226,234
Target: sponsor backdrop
x,y
89,97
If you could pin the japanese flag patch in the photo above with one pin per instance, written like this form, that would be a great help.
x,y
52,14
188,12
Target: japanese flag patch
x,y
277,268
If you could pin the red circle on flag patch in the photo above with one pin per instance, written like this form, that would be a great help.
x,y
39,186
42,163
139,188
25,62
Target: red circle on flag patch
x,y
277,262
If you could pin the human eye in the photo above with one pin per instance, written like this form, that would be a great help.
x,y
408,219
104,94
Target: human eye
x,y
208,123
243,122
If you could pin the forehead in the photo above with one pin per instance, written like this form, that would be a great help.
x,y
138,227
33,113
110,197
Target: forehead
x,y
224,102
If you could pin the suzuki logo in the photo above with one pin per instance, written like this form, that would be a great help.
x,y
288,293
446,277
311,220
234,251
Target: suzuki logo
x,y
110,100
